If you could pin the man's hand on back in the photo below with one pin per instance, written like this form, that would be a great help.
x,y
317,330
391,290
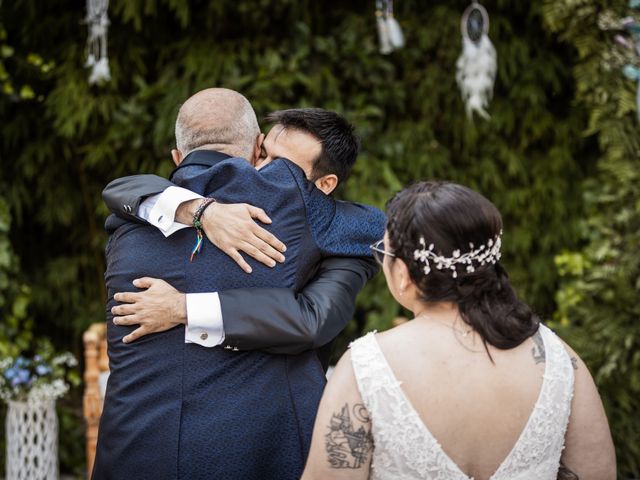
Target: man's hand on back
x,y
232,228
156,309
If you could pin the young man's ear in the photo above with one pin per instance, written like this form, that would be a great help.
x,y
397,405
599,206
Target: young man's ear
x,y
176,155
328,183
256,150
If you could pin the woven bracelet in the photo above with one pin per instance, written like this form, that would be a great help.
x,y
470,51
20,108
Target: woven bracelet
x,y
197,224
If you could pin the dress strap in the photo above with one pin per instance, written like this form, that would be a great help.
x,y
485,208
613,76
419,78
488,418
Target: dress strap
x,y
370,368
537,452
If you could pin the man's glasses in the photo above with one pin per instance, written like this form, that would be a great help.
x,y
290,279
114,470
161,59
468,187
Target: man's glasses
x,y
379,252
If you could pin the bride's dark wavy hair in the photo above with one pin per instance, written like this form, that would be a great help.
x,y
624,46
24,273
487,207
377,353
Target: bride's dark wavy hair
x,y
451,217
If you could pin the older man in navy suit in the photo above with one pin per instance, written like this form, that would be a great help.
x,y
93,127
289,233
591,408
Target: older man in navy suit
x,y
179,410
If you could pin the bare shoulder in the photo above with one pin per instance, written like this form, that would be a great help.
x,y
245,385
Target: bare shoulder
x,y
576,361
589,450
398,336
539,354
342,380
342,388
342,373
342,442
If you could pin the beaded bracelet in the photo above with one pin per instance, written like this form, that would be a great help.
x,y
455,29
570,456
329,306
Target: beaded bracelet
x,y
197,224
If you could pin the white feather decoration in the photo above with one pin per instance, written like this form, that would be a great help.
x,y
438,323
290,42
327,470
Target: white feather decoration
x,y
383,35
97,58
389,31
91,60
396,38
476,73
100,71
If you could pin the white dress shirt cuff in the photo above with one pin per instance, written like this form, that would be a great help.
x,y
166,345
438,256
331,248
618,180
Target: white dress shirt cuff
x,y
145,207
204,319
160,210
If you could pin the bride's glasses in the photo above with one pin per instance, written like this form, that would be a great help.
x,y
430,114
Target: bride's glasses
x,y
379,252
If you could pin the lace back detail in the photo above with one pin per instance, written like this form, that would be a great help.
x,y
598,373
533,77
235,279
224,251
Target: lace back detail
x,y
537,452
404,447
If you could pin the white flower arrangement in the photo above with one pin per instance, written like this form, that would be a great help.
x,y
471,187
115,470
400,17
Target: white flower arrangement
x,y
37,378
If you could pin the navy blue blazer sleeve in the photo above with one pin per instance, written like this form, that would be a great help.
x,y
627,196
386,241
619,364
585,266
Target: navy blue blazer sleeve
x,y
278,320
351,230
273,319
124,195
339,228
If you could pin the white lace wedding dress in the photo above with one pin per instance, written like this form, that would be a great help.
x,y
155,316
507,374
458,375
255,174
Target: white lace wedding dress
x,y
405,449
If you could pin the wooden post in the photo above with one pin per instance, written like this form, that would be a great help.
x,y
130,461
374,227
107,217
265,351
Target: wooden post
x,y
96,361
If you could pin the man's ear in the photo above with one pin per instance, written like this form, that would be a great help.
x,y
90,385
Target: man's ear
x,y
328,183
256,150
176,155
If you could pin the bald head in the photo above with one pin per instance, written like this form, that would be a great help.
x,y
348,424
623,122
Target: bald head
x,y
217,119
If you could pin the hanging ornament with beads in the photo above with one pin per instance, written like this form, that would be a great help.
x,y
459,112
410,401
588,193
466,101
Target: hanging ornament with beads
x,y
477,65
627,37
389,31
632,69
98,23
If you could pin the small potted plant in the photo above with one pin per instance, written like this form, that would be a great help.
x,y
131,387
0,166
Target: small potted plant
x,y
31,384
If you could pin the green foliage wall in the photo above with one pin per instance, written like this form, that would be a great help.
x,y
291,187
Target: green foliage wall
x,y
598,298
61,147
15,325
63,140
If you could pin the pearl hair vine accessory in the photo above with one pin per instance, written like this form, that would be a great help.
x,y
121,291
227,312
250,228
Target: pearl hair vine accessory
x,y
474,258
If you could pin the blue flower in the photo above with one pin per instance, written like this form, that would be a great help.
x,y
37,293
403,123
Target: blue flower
x,y
23,377
24,374
10,373
43,370
21,362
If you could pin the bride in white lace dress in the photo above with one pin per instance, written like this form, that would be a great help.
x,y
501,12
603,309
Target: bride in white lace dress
x,y
474,387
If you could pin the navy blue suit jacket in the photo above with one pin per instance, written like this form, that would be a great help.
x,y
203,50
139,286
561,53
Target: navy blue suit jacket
x,y
176,410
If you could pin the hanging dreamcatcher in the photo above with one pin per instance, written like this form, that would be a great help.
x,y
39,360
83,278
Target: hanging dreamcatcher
x,y
98,23
389,31
627,57
632,43
477,65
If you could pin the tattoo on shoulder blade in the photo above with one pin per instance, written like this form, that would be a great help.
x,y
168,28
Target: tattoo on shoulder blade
x,y
539,355
348,447
574,363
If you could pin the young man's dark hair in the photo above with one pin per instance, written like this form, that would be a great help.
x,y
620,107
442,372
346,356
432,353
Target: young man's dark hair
x,y
340,145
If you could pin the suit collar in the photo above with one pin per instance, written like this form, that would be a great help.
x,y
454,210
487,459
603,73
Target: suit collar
x,y
205,158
